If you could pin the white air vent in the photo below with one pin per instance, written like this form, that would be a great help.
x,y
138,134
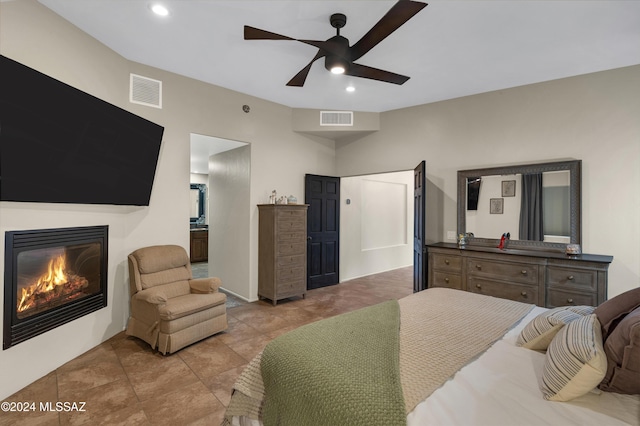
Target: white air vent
x,y
336,118
145,91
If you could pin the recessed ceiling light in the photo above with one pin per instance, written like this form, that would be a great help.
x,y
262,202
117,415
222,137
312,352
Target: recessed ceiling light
x,y
351,89
159,9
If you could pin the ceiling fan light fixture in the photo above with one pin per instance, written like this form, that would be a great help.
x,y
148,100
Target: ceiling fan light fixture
x,y
336,64
159,9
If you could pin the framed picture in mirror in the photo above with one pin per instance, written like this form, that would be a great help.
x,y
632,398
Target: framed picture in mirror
x,y
496,205
508,188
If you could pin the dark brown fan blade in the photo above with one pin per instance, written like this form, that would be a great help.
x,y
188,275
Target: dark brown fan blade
x,y
251,33
299,79
358,70
400,13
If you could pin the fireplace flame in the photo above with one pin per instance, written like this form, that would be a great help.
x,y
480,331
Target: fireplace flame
x,y
54,283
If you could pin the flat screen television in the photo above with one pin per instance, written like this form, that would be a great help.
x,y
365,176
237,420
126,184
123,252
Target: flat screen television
x,y
473,192
59,144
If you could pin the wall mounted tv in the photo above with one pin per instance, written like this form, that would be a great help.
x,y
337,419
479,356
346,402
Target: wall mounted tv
x,y
61,145
473,192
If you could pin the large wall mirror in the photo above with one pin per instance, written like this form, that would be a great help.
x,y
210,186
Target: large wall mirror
x,y
197,200
537,204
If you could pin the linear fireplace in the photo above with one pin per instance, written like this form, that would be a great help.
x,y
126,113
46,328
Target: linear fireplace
x,y
52,276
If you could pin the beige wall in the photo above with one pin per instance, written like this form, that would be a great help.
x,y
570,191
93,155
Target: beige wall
x,y
592,117
36,37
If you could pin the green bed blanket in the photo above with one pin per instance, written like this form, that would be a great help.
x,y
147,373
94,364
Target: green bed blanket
x,y
313,375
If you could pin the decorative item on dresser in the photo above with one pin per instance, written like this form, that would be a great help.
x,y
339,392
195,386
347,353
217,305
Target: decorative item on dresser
x,y
282,251
545,278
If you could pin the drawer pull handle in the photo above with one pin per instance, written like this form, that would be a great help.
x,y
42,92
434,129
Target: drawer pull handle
x,y
446,280
570,277
569,300
478,266
523,294
523,272
446,261
478,286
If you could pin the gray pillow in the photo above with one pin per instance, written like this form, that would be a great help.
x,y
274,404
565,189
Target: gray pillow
x,y
611,312
623,356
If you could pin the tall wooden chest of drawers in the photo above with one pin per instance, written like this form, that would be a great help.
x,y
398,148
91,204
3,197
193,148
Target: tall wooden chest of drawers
x,y
282,251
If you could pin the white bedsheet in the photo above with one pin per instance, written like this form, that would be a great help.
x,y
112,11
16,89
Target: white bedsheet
x,y
501,388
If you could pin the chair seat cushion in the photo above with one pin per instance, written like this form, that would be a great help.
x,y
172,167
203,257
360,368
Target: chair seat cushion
x,y
188,304
197,320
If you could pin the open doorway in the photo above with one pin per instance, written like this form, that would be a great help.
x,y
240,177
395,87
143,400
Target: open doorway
x,y
376,223
216,219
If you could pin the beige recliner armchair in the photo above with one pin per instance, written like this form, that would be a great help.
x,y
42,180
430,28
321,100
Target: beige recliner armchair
x,y
170,309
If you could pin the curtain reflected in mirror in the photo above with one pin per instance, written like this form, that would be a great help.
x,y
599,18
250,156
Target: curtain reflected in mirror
x,y
531,212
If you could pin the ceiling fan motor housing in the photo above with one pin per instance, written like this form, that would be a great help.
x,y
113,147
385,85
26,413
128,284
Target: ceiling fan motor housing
x,y
338,20
338,53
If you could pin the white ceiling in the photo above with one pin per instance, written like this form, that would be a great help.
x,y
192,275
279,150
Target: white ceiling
x,y
449,49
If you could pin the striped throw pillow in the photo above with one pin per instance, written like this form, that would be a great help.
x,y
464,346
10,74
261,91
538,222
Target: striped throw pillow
x,y
540,331
575,362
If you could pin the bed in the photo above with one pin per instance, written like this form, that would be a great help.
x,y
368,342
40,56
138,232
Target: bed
x,y
456,358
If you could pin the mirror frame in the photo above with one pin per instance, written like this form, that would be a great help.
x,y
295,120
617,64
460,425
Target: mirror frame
x,y
202,188
575,181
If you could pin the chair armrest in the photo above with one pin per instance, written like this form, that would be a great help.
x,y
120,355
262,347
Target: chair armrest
x,y
152,295
205,285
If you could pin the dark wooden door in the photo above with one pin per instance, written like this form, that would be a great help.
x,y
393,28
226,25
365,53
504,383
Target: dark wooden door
x,y
419,249
322,194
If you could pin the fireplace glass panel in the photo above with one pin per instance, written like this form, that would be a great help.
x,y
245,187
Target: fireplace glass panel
x,y
51,277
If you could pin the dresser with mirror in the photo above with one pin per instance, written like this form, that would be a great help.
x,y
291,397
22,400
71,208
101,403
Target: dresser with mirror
x,y
538,207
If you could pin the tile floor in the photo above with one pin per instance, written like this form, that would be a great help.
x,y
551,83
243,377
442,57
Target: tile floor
x,y
122,381
201,270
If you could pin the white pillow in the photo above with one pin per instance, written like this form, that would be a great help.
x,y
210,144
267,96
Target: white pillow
x,y
540,331
576,362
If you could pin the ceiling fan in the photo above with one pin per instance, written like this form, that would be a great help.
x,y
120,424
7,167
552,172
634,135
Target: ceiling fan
x,y
339,55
